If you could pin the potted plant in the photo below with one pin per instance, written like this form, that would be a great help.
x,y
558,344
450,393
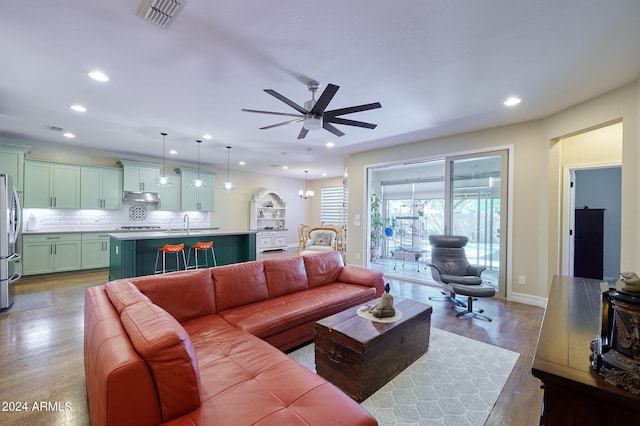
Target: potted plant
x,y
377,226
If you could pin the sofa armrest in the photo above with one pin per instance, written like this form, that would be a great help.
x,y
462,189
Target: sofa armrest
x,y
120,389
353,274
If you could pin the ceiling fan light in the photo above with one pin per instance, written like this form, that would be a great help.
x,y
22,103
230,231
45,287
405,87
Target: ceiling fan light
x,y
312,122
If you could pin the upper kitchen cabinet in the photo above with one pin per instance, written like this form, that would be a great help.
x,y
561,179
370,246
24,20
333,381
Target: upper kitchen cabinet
x,y
170,195
51,185
196,199
140,177
12,162
101,188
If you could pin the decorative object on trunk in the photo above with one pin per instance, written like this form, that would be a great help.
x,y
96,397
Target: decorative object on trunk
x,y
384,308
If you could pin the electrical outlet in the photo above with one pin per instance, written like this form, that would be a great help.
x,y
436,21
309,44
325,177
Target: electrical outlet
x,y
522,280
357,256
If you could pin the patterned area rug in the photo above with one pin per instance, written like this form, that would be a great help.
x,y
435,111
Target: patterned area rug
x,y
27,302
457,382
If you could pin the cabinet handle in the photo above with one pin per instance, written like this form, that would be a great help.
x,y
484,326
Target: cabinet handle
x,y
55,202
55,250
51,249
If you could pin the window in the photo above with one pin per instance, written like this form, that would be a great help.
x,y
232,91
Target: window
x,y
333,208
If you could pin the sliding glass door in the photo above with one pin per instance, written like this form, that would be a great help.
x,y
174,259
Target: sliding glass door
x,y
475,200
461,195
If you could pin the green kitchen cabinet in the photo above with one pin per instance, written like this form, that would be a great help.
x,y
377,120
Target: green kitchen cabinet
x,y
95,250
47,253
140,177
196,199
51,185
12,162
170,195
101,188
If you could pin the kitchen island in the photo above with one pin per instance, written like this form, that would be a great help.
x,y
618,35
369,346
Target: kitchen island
x,y
133,254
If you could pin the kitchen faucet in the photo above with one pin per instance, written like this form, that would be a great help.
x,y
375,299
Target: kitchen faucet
x,y
185,220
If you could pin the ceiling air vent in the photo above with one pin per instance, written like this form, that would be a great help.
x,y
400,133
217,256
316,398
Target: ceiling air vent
x,y
161,12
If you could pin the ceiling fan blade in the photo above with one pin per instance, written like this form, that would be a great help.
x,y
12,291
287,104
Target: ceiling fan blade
x,y
339,120
286,101
271,112
297,120
350,110
332,129
324,99
303,133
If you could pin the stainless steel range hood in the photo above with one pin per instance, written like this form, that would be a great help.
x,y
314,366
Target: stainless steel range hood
x,y
140,197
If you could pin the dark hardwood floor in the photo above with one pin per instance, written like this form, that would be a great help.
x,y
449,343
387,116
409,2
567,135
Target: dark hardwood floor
x,y
41,351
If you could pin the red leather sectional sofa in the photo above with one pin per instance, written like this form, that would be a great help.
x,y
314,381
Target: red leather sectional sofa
x,y
204,347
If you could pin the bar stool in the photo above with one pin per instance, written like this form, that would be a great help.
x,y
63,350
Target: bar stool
x,y
171,249
199,246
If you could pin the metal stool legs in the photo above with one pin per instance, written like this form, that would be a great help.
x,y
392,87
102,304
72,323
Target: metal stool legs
x,y
203,247
176,249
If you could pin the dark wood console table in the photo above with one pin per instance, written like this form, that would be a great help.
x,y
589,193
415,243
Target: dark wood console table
x,y
574,394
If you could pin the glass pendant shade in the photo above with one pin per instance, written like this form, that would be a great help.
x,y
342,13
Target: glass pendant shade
x,y
228,185
198,183
163,180
306,193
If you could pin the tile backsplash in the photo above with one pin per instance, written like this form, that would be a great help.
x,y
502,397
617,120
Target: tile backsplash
x,y
62,220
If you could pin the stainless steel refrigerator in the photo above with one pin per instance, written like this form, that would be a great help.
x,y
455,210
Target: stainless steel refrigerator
x,y
10,216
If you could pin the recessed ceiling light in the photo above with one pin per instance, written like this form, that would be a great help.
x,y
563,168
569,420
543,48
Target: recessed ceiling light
x,y
78,108
98,75
68,135
512,101
285,167
173,152
324,174
330,144
207,136
242,163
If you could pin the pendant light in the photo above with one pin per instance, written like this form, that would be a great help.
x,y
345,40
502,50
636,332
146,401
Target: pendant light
x,y
163,180
228,185
306,193
198,183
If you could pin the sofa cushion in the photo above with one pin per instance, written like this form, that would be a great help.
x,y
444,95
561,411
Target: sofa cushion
x,y
239,284
185,294
285,276
123,293
279,314
170,356
323,268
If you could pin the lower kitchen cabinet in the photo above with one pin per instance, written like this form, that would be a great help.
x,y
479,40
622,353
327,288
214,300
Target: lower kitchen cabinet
x,y
95,251
43,254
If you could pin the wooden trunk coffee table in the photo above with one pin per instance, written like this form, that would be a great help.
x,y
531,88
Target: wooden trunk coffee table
x,y
359,355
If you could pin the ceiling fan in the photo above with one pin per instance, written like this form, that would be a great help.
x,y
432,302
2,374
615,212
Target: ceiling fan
x,y
313,115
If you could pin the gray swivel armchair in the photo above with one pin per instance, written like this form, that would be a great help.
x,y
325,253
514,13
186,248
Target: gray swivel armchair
x,y
450,268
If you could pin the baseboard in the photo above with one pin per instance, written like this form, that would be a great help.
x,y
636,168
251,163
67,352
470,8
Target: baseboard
x,y
528,299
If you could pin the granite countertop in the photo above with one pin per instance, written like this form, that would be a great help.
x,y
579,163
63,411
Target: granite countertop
x,y
159,234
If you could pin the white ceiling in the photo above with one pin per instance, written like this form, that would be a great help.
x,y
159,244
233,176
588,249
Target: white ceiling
x,y
438,67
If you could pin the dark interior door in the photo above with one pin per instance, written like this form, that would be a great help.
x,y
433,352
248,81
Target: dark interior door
x,y
589,243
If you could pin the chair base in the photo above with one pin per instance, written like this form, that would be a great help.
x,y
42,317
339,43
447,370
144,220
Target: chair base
x,y
473,313
451,297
